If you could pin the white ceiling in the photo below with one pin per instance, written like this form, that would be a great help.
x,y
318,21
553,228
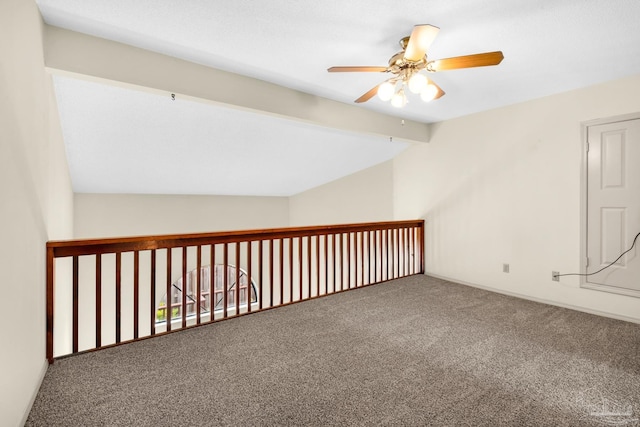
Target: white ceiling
x,y
550,46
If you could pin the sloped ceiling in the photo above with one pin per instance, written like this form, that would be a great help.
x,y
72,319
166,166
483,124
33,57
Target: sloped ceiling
x,y
126,141
122,140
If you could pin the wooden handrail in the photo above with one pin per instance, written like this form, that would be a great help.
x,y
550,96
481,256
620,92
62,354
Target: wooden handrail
x,y
337,258
64,248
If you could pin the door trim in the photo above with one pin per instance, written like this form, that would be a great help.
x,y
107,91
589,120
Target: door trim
x,y
584,206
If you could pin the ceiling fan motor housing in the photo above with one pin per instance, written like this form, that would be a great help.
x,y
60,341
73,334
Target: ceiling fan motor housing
x,y
398,63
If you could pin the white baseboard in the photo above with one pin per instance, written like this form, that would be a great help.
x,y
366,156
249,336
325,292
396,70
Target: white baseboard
x,y
541,300
43,372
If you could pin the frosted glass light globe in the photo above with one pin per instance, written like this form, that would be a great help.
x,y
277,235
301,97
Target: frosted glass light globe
x,y
429,93
385,91
399,100
417,83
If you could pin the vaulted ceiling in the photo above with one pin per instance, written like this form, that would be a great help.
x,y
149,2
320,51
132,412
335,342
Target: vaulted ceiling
x,y
132,138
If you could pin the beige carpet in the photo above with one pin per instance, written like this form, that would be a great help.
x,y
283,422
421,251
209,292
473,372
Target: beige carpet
x,y
414,351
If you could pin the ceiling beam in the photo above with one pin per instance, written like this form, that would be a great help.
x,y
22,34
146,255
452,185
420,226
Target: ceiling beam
x,y
69,52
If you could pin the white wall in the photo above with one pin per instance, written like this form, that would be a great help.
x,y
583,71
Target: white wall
x,y
504,186
36,204
361,197
112,215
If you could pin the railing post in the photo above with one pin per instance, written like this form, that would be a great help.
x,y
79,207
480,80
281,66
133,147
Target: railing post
x,y
249,287
341,246
333,264
118,296
281,271
260,272
185,289
225,279
152,296
98,300
50,292
136,293
290,269
362,258
168,309
237,284
300,268
271,275
318,265
421,245
212,282
198,282
326,263
76,302
309,263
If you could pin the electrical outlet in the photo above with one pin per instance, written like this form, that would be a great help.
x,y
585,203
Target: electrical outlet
x,y
505,268
555,276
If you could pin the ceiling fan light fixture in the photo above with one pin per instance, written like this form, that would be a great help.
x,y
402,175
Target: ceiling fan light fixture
x,y
385,91
406,67
399,100
429,92
417,83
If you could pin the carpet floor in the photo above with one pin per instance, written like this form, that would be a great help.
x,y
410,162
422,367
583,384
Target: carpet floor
x,y
415,351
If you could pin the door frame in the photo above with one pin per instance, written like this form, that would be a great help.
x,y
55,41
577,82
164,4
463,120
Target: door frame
x,y
584,203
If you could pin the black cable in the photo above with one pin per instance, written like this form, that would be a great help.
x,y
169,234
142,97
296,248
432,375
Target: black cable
x,y
606,266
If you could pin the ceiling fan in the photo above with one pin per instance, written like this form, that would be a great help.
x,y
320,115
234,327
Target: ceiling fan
x,y
407,64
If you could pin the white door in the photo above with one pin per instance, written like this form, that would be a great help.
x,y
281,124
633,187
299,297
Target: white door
x,y
613,205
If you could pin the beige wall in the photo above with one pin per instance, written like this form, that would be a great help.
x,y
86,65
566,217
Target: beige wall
x,y
364,196
504,186
361,197
112,215
36,204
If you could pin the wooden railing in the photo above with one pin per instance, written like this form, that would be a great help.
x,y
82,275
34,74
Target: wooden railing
x,y
110,291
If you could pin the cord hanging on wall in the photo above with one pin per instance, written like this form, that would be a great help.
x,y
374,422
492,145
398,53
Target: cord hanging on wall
x,y
606,266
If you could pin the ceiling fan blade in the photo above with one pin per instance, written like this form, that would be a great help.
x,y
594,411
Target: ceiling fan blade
x,y
367,96
440,93
356,69
468,61
421,38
